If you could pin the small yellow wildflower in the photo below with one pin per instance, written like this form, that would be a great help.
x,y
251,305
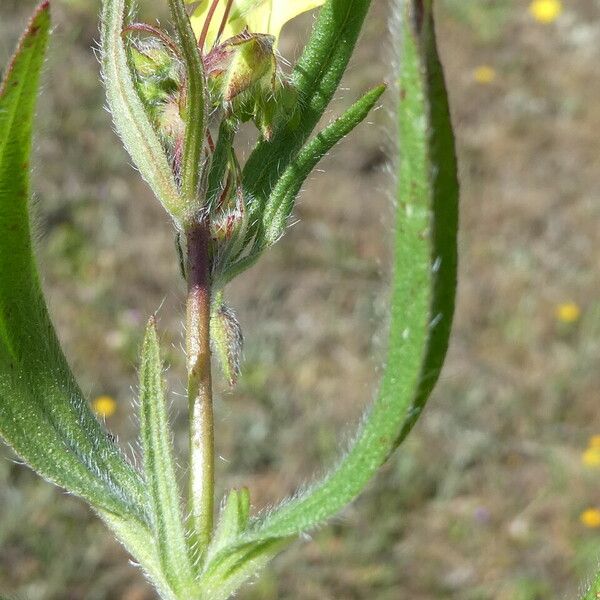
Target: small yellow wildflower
x,y
105,406
545,11
590,518
594,442
568,312
484,74
591,457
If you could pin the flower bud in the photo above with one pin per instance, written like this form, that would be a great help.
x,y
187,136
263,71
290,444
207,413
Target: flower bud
x,y
230,223
242,63
157,76
253,61
227,340
271,109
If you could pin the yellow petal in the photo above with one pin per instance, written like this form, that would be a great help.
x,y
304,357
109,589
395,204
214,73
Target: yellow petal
x,y
259,16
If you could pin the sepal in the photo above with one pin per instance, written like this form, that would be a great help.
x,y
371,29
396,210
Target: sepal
x,y
130,116
227,340
252,63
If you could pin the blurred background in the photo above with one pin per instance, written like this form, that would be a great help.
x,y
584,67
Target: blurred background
x,y
496,494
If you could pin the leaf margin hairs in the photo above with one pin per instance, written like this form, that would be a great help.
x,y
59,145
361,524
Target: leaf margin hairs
x,y
422,284
43,414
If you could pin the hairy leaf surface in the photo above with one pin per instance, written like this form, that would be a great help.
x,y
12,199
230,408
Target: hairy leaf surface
x,y
159,468
129,114
43,414
423,286
316,76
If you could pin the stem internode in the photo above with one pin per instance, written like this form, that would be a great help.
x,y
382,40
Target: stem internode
x,y
200,383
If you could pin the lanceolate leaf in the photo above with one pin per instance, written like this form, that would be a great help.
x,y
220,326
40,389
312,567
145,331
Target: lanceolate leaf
x,y
159,468
445,202
139,541
225,575
233,519
316,76
43,414
195,128
281,201
423,287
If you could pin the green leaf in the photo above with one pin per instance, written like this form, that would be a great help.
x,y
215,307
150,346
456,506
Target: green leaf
x,y
232,521
129,115
140,543
227,573
281,201
423,287
43,414
593,589
159,468
316,77
444,191
424,284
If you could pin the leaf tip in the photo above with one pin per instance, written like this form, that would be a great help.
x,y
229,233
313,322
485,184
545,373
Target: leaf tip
x,y
42,11
151,335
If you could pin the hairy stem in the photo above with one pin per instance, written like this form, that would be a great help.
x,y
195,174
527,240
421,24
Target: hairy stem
x,y
200,383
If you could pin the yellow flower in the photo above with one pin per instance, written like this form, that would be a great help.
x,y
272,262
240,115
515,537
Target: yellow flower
x,y
545,11
591,457
105,406
568,312
590,518
258,16
594,442
484,74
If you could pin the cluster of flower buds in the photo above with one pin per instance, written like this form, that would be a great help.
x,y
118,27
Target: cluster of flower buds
x,y
244,82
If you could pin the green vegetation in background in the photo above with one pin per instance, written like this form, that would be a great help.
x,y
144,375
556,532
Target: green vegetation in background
x,y
485,17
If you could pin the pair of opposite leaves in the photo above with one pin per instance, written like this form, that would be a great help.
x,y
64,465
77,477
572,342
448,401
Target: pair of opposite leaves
x,y
258,16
